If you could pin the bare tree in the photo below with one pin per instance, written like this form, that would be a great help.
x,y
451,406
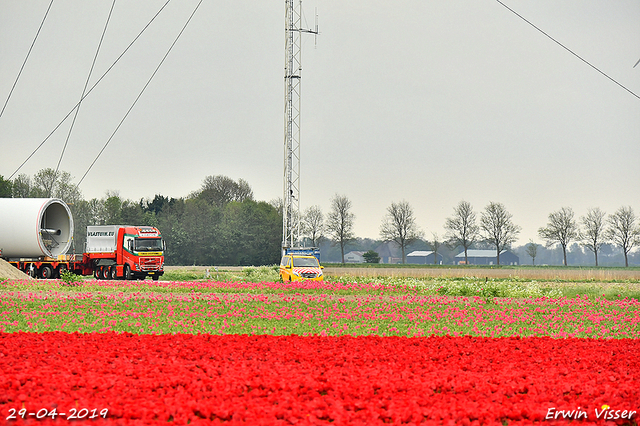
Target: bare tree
x,y
340,222
462,228
277,204
47,183
532,251
624,230
594,232
313,224
21,187
65,189
562,228
399,225
498,228
43,183
435,245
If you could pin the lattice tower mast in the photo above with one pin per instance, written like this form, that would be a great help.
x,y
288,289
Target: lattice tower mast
x,y
292,76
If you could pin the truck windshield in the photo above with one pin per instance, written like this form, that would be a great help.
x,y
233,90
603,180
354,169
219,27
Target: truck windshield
x,y
148,244
305,261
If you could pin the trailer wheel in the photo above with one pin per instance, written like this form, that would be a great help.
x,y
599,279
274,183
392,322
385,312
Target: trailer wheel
x,y
61,269
113,272
126,274
33,271
46,272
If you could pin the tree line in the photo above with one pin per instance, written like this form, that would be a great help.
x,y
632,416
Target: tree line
x,y
399,226
221,223
492,227
218,224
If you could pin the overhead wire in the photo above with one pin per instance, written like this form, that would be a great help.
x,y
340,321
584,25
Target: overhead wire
x,y
568,50
141,92
26,58
91,89
86,84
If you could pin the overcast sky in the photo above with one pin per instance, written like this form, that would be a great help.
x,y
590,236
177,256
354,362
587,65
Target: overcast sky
x,y
432,102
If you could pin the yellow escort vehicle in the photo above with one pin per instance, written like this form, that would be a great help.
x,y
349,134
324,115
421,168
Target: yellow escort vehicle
x,y
300,267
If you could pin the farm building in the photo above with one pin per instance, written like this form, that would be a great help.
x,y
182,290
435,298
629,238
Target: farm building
x,y
388,252
354,257
424,257
487,257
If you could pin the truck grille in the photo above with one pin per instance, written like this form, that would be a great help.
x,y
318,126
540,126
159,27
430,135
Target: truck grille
x,y
309,275
150,264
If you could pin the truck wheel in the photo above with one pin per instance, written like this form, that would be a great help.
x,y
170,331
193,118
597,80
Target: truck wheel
x,y
61,269
46,272
113,272
155,277
33,271
126,272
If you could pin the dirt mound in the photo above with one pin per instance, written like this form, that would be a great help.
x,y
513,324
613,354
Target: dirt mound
x,y
8,272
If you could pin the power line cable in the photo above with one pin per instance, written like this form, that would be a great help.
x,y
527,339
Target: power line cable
x,y
141,92
86,84
567,49
25,59
91,89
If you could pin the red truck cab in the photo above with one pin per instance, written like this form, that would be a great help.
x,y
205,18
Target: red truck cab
x,y
142,253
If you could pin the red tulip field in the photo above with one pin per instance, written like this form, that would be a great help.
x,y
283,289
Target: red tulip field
x,y
332,354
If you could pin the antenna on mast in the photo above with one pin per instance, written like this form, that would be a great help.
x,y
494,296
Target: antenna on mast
x,y
292,76
315,34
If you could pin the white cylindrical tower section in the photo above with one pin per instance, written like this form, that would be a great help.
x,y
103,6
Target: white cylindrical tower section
x,y
34,227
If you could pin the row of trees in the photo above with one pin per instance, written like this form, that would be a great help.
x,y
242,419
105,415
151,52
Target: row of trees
x,y
592,230
466,229
399,226
221,223
218,224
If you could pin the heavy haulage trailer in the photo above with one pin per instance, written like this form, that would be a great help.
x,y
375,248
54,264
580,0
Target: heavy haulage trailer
x,y
36,235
